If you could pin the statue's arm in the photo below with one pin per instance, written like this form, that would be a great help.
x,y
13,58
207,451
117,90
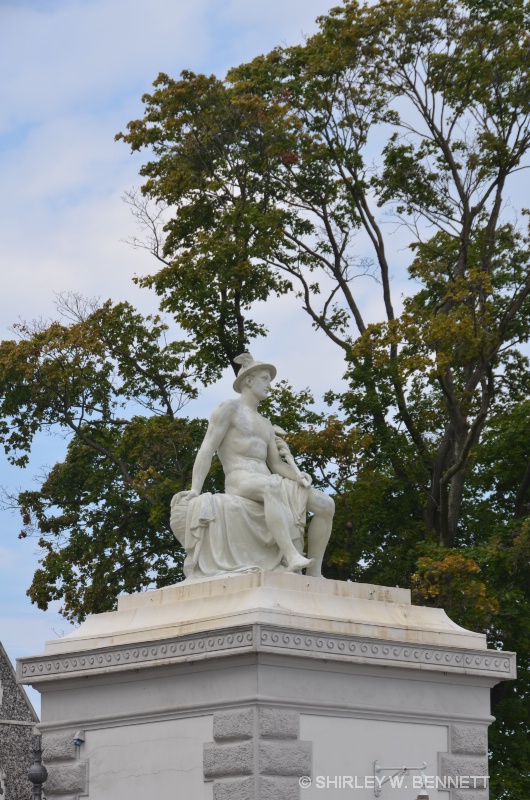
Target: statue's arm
x,y
217,429
277,465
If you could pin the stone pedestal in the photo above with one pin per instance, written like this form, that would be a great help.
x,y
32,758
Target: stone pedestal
x,y
236,688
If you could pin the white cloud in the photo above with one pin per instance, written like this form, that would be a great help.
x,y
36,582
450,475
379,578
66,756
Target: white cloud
x,y
75,74
86,53
80,52
294,19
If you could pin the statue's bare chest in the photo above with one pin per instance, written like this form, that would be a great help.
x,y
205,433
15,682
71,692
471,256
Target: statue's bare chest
x,y
251,424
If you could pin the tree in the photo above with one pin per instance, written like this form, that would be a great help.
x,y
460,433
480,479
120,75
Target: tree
x,y
102,515
210,166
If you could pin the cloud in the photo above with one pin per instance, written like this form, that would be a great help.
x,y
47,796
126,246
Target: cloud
x,y
76,72
77,54
74,75
80,53
295,19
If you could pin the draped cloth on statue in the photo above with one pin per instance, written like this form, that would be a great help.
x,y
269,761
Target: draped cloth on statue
x,y
224,533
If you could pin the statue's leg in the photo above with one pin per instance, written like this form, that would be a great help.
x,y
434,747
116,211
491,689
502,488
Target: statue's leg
x,y
322,507
278,524
264,489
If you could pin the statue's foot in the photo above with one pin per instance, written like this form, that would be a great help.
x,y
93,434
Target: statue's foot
x,y
298,563
315,570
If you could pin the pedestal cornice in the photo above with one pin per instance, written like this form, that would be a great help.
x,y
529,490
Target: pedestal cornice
x,y
261,638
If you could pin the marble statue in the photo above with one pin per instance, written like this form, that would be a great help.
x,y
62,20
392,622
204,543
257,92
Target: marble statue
x,y
258,524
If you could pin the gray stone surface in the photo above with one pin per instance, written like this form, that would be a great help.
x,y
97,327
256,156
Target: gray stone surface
x,y
265,638
279,788
66,778
467,757
58,747
275,723
271,745
269,788
17,720
234,789
225,760
14,703
285,758
230,725
457,766
469,740
16,756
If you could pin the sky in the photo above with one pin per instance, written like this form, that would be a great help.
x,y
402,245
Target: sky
x,y
74,72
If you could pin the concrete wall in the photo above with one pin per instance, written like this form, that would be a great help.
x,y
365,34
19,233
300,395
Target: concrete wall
x,y
345,747
152,760
219,729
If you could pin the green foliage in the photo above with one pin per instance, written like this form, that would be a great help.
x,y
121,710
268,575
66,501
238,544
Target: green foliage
x,y
508,739
87,371
451,581
102,515
225,228
101,535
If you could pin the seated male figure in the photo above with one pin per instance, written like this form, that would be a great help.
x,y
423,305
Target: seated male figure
x,y
246,444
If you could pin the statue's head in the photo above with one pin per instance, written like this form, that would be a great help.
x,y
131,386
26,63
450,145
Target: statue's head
x,y
252,371
258,383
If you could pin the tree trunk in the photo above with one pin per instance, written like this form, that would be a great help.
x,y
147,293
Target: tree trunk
x,y
454,506
521,508
432,507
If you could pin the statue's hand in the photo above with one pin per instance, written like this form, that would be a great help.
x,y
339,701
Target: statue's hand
x,y
283,449
305,479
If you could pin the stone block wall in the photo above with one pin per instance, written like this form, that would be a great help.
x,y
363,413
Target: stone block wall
x,y
467,762
256,755
67,774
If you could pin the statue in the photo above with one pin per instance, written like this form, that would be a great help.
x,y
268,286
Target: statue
x,y
258,524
